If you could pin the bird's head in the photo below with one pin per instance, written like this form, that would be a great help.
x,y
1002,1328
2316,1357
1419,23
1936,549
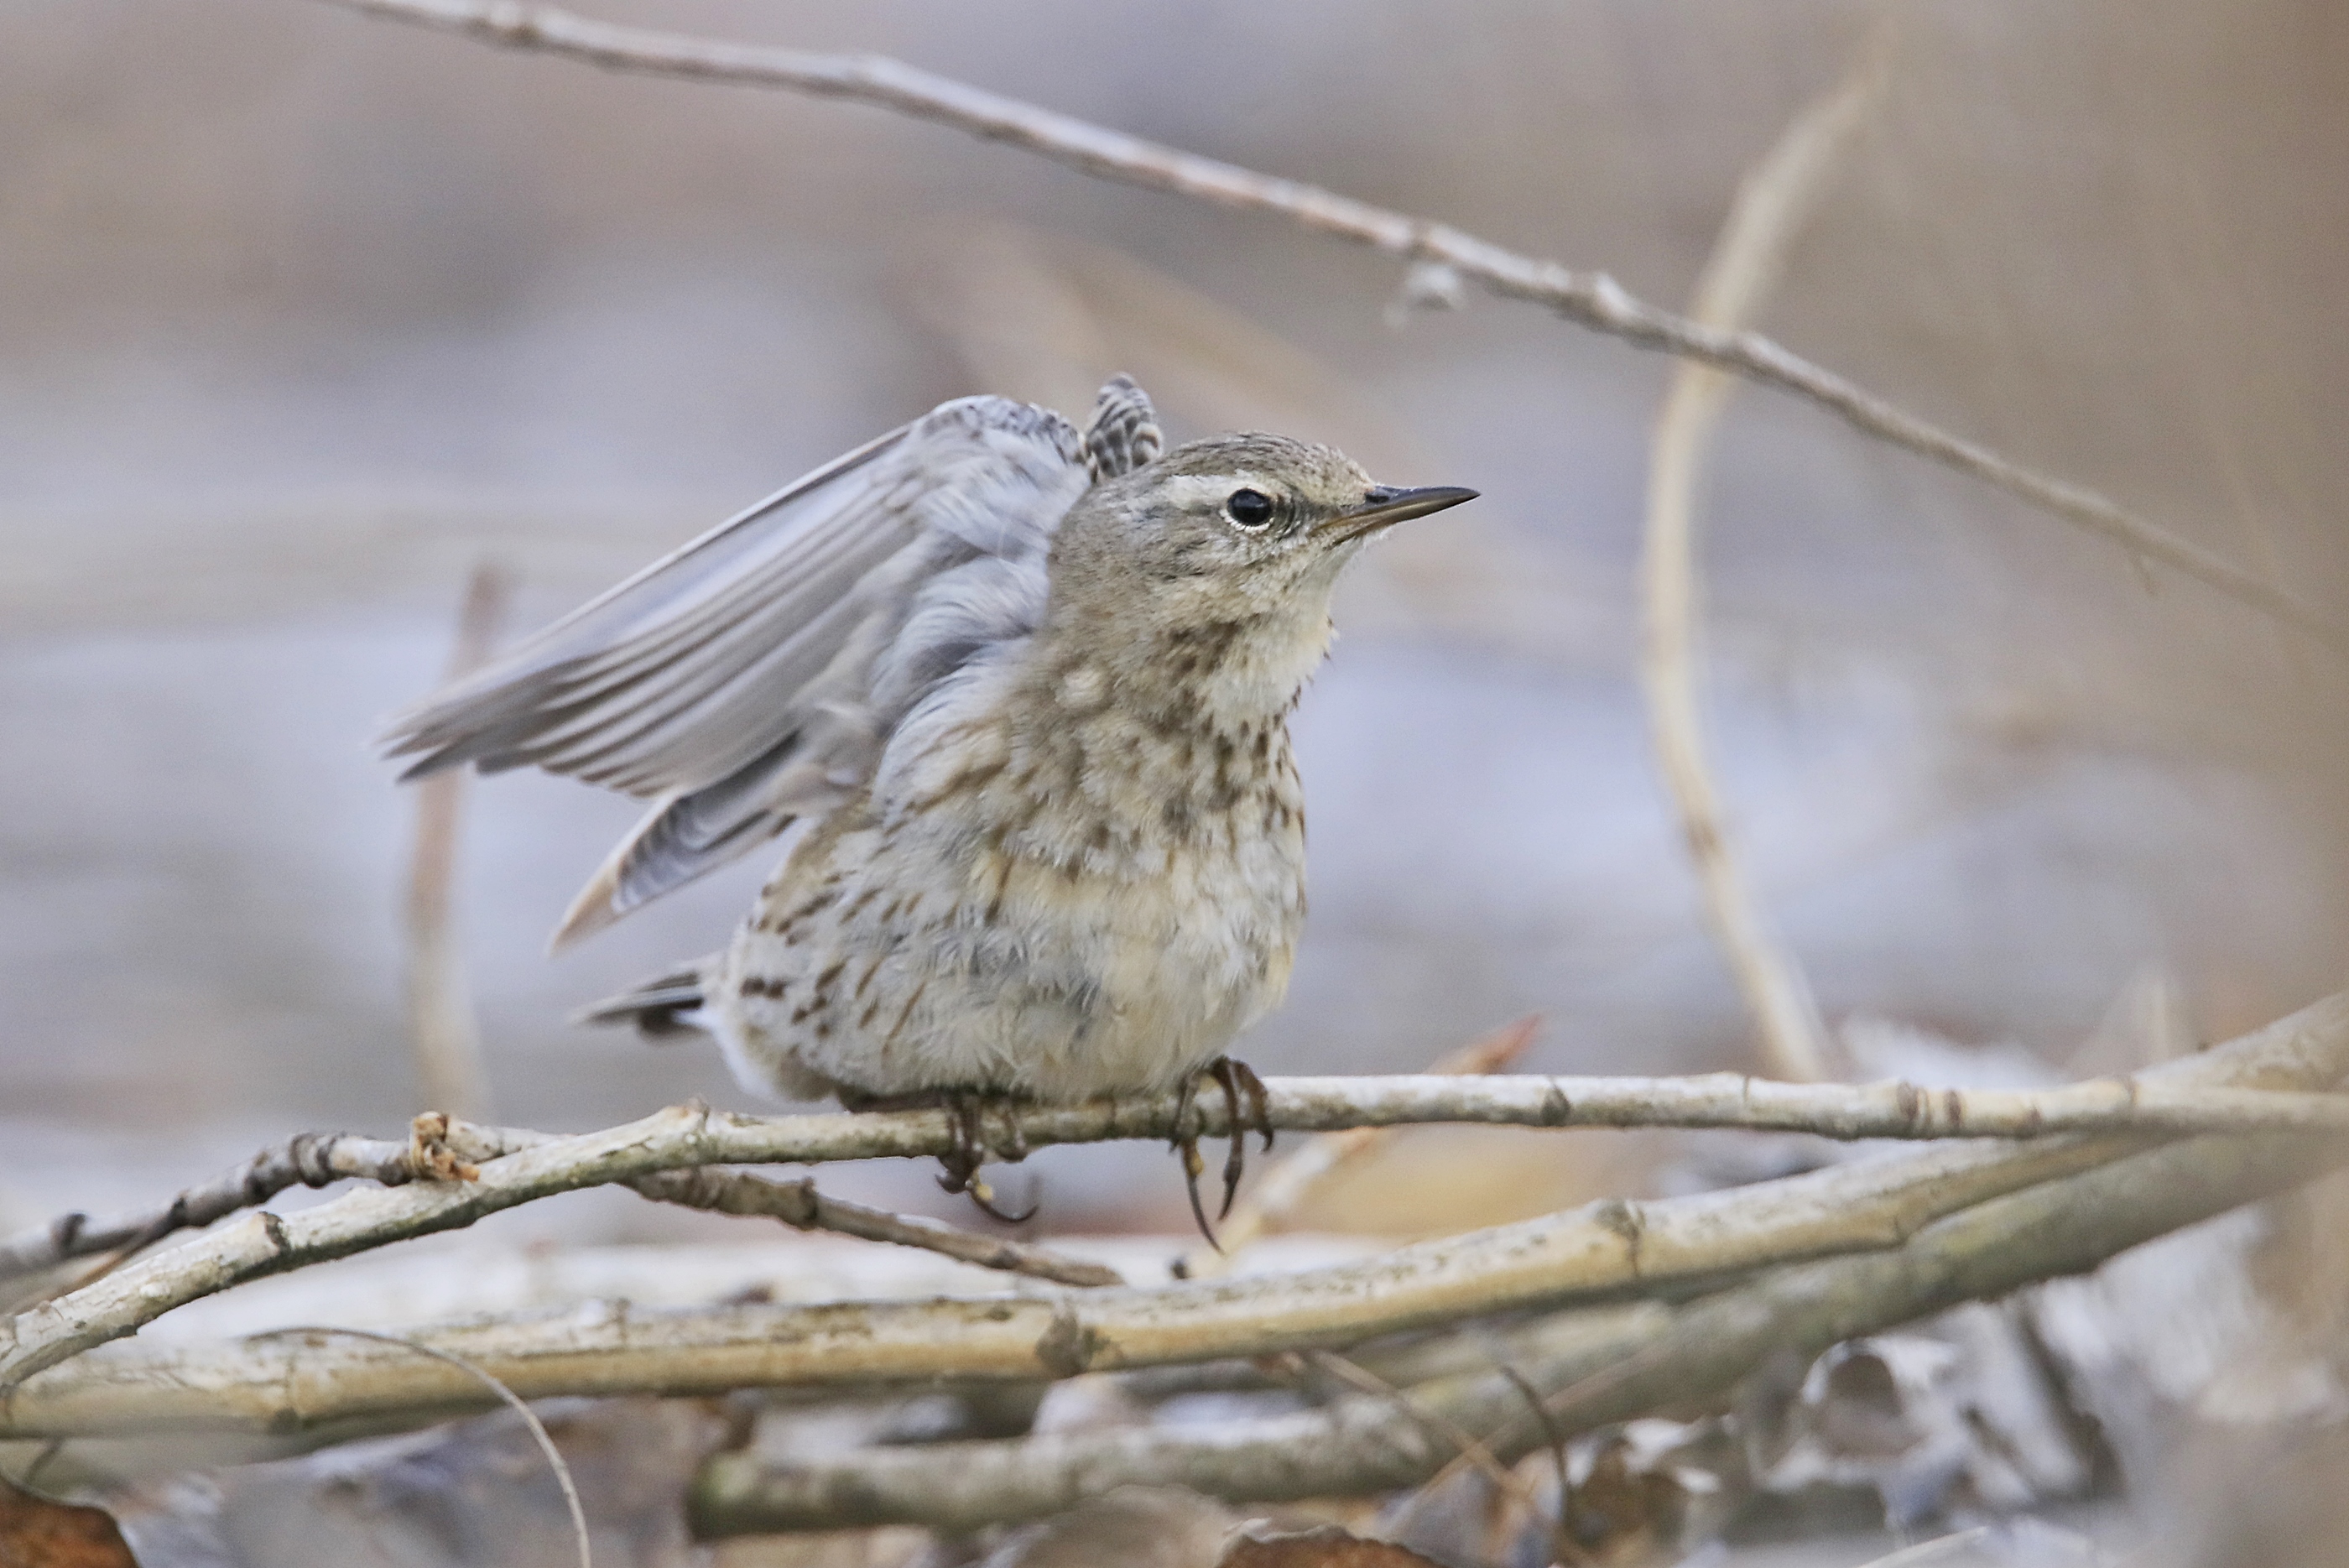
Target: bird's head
x,y
1219,557
1233,528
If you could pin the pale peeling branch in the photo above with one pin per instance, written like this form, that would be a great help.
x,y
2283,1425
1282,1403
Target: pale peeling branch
x,y
1774,204
692,1136
1596,1249
444,1149
1609,1246
308,1159
1589,299
1592,1368
1588,1252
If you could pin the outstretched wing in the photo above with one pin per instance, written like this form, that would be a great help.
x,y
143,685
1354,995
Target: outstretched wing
x,y
734,680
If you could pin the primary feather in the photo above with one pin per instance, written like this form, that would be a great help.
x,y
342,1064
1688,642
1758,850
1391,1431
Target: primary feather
x,y
751,677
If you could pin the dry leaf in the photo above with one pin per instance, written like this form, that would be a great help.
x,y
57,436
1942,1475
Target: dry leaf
x,y
1326,1547
37,1533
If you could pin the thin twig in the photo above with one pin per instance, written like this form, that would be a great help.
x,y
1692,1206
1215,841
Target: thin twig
x,y
308,1159
798,1203
443,1149
1466,1443
1590,299
442,1028
538,1431
1568,1551
1773,204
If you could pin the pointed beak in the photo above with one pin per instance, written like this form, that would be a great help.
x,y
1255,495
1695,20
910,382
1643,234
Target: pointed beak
x,y
1387,506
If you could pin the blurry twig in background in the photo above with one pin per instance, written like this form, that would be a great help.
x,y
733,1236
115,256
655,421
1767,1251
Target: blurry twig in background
x,y
1288,1183
1875,1208
1590,299
447,1037
1773,203
1464,1442
1934,1551
506,1396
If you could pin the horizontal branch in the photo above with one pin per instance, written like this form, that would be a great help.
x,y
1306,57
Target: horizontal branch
x,y
1592,1368
2166,1101
308,1159
441,1148
1590,299
1587,1253
1596,1249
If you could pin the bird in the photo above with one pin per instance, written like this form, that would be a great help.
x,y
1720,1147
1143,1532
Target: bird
x,y
1017,693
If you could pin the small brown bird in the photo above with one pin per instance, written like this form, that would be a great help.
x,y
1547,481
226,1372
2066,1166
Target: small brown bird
x,y
1021,691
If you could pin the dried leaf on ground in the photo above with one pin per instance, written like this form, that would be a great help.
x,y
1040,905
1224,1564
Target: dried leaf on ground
x,y
35,1533
1132,1527
1326,1547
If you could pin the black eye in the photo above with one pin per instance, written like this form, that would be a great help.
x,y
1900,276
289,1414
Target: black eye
x,y
1248,508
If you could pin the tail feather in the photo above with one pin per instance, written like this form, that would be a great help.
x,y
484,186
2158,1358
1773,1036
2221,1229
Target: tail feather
x,y
669,1005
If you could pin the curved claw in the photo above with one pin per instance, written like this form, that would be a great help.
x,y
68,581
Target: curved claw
x,y
1259,1103
962,1162
1240,1085
1185,1141
1236,1155
981,1194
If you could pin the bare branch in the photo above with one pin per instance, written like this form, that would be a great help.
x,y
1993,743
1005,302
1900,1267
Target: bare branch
x,y
1597,1368
308,1160
445,1149
1773,205
1589,299
1601,1248
1605,1246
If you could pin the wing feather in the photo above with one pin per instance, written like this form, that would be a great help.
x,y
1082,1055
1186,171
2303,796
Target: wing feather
x,y
752,675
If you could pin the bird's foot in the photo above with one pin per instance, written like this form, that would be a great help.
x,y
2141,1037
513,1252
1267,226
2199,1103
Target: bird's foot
x,y
969,1151
1241,1087
1245,1109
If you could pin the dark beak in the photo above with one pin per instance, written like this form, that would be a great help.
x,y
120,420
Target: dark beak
x,y
1386,507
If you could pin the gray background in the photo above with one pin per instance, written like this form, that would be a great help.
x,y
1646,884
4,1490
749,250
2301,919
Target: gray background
x,y
301,315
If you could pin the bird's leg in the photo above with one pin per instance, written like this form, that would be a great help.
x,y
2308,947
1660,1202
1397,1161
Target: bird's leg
x,y
1240,1084
1186,1141
964,1110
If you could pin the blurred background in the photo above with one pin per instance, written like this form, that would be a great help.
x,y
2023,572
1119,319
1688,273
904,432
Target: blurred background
x,y
303,318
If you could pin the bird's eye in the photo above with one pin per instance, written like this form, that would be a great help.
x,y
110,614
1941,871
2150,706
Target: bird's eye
x,y
1251,509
